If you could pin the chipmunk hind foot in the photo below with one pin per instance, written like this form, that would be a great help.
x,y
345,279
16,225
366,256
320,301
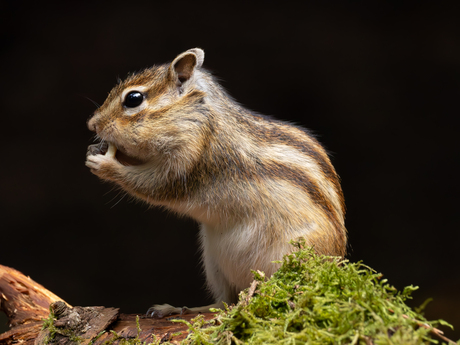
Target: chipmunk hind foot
x,y
160,311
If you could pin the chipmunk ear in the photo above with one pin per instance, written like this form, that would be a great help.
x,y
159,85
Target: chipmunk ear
x,y
184,64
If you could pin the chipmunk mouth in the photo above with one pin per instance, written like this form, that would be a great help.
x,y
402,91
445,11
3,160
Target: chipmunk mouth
x,y
111,150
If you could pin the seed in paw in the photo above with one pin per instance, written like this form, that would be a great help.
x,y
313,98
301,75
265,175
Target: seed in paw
x,y
97,149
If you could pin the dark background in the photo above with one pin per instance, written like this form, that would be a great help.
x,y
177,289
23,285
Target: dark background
x,y
379,83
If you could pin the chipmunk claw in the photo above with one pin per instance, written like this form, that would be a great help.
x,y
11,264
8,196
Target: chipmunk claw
x,y
154,314
185,310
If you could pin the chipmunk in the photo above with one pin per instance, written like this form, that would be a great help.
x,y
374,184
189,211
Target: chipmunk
x,y
171,136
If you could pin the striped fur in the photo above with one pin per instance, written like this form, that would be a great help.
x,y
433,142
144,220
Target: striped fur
x,y
253,183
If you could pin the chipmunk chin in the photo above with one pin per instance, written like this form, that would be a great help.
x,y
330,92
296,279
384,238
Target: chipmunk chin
x,y
122,157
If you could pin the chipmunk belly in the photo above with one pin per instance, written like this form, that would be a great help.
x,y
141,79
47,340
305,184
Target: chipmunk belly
x,y
236,249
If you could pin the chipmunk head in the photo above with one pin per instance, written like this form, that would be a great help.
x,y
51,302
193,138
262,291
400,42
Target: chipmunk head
x,y
155,113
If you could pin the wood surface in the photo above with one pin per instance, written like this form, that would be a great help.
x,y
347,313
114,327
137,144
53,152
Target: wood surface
x,y
27,304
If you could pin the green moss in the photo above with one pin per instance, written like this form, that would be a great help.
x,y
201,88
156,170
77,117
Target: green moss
x,y
48,324
314,299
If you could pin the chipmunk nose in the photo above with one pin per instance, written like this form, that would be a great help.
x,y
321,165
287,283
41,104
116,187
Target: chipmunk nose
x,y
92,124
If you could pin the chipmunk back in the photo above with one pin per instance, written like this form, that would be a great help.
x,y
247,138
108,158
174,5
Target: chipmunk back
x,y
171,136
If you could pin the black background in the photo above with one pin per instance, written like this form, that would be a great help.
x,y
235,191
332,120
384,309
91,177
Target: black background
x,y
379,83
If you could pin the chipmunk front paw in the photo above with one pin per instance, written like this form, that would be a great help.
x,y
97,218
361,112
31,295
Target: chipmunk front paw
x,y
100,158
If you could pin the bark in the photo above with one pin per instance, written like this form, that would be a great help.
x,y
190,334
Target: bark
x,y
27,304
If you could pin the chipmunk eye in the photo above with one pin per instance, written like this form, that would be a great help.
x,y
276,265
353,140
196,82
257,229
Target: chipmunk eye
x,y
133,99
